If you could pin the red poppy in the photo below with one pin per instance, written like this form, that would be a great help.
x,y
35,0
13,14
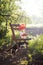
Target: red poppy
x,y
22,26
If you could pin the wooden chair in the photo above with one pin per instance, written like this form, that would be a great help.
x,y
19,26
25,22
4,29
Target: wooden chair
x,y
13,28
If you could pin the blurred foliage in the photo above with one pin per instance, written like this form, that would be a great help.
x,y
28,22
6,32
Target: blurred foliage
x,y
35,49
6,10
10,12
36,45
24,62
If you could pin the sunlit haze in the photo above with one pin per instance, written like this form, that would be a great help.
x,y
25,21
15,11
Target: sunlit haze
x,y
33,8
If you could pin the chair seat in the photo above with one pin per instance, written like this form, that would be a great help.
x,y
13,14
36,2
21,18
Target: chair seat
x,y
23,38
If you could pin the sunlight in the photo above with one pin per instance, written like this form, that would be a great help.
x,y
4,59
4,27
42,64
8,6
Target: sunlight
x,y
33,7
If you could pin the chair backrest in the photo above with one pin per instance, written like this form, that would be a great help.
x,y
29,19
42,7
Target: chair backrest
x,y
14,27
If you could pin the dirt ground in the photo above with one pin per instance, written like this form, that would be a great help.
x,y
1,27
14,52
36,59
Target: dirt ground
x,y
19,58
